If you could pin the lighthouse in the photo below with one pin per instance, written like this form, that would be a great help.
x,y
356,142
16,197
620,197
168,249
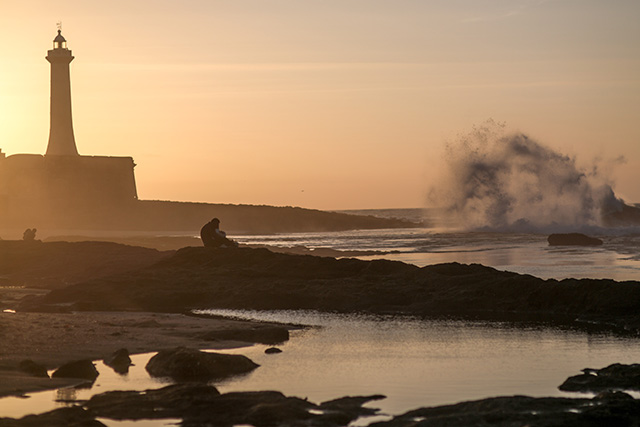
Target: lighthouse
x,y
61,140
63,189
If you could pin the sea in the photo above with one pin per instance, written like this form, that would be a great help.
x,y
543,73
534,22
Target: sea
x,y
412,361
440,241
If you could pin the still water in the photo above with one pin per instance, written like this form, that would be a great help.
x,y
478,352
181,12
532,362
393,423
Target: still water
x,y
413,362
422,363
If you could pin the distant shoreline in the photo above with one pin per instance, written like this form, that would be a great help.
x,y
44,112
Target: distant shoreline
x,y
161,217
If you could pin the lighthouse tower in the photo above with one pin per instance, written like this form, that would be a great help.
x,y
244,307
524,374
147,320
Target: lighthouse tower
x,y
61,140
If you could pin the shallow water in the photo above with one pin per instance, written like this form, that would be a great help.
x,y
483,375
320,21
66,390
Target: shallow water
x,y
413,362
422,363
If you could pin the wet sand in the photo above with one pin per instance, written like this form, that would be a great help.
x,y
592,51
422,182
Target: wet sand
x,y
52,339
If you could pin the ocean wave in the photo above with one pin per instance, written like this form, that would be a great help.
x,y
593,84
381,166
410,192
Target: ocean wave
x,y
512,183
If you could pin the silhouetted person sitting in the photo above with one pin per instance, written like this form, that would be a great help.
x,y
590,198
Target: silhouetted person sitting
x,y
29,235
213,237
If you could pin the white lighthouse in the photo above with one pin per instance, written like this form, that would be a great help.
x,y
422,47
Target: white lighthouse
x,y
61,140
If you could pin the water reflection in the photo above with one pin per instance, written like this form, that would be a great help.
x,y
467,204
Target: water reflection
x,y
423,363
413,362
66,395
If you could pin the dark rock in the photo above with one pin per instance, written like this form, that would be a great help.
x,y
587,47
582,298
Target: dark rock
x,y
119,361
573,239
259,279
613,395
199,405
613,377
273,350
33,368
183,364
345,409
53,265
73,416
168,402
524,411
84,369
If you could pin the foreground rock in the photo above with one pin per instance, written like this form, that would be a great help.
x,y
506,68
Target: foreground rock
x,y
183,364
82,369
119,361
74,416
58,264
259,279
200,405
608,409
203,405
573,239
613,377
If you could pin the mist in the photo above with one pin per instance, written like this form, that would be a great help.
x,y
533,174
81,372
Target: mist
x,y
496,180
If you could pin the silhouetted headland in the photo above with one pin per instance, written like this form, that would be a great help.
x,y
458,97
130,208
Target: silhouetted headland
x,y
184,217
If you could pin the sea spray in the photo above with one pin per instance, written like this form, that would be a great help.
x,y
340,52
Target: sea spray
x,y
493,180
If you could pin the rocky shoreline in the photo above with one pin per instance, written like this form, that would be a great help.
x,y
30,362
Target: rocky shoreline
x,y
203,405
196,403
142,307
53,339
246,278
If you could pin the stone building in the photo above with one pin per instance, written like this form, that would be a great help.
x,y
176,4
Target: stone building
x,y
63,188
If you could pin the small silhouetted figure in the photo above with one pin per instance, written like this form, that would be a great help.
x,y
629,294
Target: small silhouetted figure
x,y
29,234
213,237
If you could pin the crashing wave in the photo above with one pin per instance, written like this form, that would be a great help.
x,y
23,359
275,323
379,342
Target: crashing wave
x,y
510,182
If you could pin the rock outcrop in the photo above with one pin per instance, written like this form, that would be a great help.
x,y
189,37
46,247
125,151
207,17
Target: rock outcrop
x,y
198,404
119,361
51,265
573,239
618,409
203,405
83,369
246,278
73,416
183,364
613,377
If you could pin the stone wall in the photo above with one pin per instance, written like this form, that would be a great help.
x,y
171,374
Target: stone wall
x,y
62,190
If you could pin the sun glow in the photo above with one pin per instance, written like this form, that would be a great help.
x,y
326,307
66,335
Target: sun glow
x,y
338,100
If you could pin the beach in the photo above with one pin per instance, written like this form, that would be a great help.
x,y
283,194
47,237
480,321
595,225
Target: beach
x,y
52,339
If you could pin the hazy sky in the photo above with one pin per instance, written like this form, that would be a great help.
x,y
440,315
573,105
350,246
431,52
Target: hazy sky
x,y
329,104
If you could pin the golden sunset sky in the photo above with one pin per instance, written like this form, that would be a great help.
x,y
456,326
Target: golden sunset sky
x,y
328,104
